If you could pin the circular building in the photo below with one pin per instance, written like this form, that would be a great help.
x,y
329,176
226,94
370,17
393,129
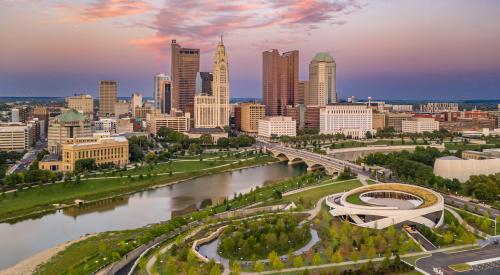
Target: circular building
x,y
385,204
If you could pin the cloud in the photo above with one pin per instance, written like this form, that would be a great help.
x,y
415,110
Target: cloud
x,y
199,22
102,9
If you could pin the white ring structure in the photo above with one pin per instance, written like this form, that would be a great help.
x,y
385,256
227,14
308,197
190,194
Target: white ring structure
x,y
427,203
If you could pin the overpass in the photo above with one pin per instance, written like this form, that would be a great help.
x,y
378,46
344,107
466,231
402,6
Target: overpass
x,y
313,161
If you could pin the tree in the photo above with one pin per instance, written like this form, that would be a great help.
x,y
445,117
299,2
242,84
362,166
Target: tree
x,y
259,266
337,257
316,259
87,164
354,256
215,270
151,157
297,261
206,139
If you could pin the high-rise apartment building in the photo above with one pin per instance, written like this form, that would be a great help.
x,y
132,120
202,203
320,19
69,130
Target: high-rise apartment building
x,y
185,64
204,83
83,103
303,92
213,111
280,80
251,113
322,80
353,120
107,97
166,96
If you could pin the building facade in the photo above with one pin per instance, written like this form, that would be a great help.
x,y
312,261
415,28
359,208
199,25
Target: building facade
x,y
280,80
185,64
159,91
276,126
251,113
419,125
135,101
353,120
303,92
107,97
176,121
396,120
204,83
121,108
205,111
15,136
437,107
71,124
322,80
83,103
402,108
378,121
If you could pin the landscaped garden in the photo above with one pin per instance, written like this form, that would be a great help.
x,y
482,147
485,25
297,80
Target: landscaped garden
x,y
255,239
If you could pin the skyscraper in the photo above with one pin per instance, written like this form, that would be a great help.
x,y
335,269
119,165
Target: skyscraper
x,y
280,78
322,80
136,101
204,83
157,93
185,64
302,92
107,97
166,96
220,84
212,111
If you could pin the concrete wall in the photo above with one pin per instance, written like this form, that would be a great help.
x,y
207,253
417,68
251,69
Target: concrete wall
x,y
462,169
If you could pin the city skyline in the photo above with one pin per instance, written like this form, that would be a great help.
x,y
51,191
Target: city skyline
x,y
384,49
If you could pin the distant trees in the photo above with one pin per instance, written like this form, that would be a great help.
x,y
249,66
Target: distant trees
x,y
482,187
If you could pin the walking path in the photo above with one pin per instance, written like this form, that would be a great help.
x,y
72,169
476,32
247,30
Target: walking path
x,y
465,224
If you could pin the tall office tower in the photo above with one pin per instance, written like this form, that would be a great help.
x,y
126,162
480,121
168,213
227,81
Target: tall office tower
x,y
322,78
204,83
185,64
82,103
135,101
107,97
213,111
220,84
166,96
157,93
280,80
14,115
303,92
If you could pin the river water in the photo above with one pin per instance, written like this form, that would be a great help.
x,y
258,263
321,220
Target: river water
x,y
25,238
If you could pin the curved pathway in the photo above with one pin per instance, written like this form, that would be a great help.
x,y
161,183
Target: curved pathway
x,y
465,224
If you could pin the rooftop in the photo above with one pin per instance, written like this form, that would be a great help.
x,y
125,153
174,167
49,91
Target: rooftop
x,y
71,115
323,57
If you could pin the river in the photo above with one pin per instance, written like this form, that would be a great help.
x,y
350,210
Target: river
x,y
28,237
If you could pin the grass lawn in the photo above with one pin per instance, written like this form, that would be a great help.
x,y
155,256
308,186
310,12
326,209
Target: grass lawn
x,y
313,195
355,199
460,267
41,198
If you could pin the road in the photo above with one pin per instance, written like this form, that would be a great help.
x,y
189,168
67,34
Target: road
x,y
29,157
441,261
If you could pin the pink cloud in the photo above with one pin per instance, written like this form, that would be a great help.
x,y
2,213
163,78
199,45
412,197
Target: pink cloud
x,y
196,22
103,9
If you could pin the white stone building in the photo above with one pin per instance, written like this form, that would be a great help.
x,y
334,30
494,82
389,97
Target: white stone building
x,y
419,125
353,120
277,126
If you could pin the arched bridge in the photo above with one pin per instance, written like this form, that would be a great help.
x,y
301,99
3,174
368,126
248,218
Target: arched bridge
x,y
313,161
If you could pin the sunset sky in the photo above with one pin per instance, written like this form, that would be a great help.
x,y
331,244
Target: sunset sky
x,y
387,49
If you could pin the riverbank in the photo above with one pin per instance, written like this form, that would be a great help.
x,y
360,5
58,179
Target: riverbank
x,y
42,200
28,266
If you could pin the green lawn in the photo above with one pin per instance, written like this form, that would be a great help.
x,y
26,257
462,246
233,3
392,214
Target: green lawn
x,y
313,195
355,199
41,198
460,267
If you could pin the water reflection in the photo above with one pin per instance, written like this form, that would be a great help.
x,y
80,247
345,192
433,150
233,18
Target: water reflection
x,y
25,238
